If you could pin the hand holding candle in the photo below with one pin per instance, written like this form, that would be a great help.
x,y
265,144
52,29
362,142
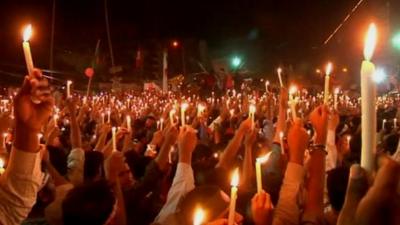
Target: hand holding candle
x,y
279,71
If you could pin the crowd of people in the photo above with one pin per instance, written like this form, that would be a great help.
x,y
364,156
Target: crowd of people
x,y
156,158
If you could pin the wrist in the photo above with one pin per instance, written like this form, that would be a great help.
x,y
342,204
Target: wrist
x,y
26,139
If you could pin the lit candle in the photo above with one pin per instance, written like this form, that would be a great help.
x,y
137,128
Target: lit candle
x,y
39,136
200,109
69,88
2,170
198,216
252,111
109,116
395,123
55,118
161,124
368,108
171,116
27,50
114,138
335,99
234,190
328,71
184,106
279,70
128,123
266,86
293,101
4,140
383,124
260,161
102,118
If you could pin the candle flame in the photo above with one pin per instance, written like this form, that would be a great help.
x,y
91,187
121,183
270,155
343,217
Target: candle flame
x,y
292,89
281,134
370,42
184,106
328,69
264,158
337,90
27,32
235,178
279,70
1,163
198,216
252,108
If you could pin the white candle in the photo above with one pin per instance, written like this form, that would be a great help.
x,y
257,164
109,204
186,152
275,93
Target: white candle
x,y
102,118
184,106
328,71
69,88
114,139
293,101
335,98
260,161
109,116
234,190
161,124
198,216
201,108
266,86
279,71
383,124
368,95
4,140
2,170
252,111
27,50
395,123
128,123
171,116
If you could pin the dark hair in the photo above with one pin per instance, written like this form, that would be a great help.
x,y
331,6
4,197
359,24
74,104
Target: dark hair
x,y
88,204
93,165
137,164
337,183
58,159
208,197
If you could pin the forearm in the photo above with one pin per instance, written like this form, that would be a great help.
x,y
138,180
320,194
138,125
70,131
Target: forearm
x,y
127,142
120,217
57,178
248,171
231,150
281,124
26,140
162,157
76,141
101,142
315,187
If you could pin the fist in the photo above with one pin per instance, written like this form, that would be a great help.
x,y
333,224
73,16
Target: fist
x,y
261,208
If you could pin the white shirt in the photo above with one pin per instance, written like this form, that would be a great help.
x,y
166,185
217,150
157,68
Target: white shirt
x,y
19,186
183,183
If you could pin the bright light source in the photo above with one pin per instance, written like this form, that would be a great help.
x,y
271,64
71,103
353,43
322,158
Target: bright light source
x,y
379,75
236,61
344,70
318,71
175,43
396,40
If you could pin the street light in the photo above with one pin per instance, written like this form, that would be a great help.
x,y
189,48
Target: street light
x,y
396,40
175,44
236,61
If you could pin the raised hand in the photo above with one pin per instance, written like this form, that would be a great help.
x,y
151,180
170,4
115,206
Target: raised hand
x,y
319,120
31,117
297,141
261,208
187,141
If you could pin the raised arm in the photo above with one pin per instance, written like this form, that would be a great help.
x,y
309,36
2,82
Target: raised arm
x,y
281,123
22,179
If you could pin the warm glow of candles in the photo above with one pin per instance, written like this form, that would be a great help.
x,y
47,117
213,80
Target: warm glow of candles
x,y
368,99
128,123
27,49
335,98
171,116
279,71
184,107
161,124
234,189
252,112
200,109
2,170
199,216
370,42
328,71
69,83
260,161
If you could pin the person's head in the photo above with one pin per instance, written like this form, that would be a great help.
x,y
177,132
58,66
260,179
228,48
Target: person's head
x,y
337,183
207,197
93,203
150,122
93,166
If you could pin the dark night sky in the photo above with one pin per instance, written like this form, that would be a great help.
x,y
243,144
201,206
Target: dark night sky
x,y
285,30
